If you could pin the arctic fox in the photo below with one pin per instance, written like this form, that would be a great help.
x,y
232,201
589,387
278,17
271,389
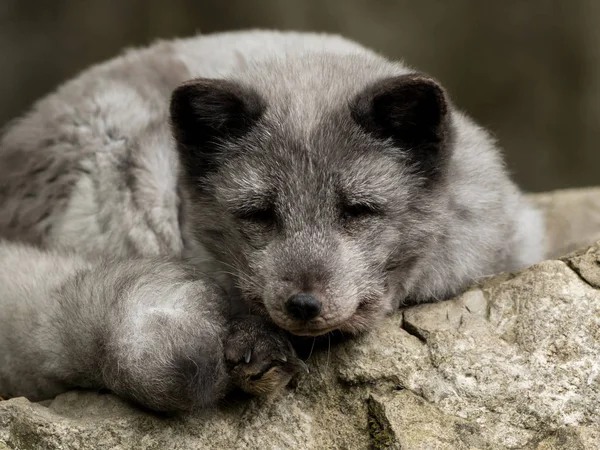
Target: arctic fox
x,y
170,215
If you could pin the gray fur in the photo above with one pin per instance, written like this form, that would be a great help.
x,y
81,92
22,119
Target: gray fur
x,y
92,174
150,330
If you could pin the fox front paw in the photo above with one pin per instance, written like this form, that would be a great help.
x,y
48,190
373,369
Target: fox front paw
x,y
259,356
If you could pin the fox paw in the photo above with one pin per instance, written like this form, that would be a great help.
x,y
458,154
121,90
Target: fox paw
x,y
260,358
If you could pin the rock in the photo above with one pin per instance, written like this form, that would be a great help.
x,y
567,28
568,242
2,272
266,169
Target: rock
x,y
586,263
572,218
514,362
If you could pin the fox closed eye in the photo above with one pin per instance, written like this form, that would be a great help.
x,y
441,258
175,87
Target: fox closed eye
x,y
265,216
356,211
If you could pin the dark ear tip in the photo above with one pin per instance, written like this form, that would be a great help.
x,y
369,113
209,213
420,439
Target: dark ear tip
x,y
206,96
184,88
180,97
421,79
190,89
193,88
424,87
435,88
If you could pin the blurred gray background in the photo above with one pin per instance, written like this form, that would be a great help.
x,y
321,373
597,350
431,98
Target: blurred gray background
x,y
529,71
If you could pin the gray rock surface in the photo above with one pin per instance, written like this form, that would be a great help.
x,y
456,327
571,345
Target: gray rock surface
x,y
512,363
572,218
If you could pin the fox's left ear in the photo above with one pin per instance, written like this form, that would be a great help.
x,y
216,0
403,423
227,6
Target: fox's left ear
x,y
411,110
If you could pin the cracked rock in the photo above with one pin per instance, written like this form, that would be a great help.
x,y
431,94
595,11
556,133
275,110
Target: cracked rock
x,y
514,362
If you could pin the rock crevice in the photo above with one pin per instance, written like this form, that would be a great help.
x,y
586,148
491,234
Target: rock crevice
x,y
514,362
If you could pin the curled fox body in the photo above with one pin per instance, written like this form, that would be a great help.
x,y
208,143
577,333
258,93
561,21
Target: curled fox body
x,y
149,203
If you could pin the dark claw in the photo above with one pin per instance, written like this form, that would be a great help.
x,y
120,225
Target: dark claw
x,y
261,359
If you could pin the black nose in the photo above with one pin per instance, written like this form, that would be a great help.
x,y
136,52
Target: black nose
x,y
303,306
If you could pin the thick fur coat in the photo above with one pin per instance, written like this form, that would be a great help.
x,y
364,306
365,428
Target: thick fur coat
x,y
151,203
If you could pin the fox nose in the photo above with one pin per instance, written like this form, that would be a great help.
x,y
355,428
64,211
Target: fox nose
x,y
303,306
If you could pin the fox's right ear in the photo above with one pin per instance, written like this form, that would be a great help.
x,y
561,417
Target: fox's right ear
x,y
207,113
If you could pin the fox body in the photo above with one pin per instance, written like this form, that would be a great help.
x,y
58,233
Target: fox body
x,y
154,201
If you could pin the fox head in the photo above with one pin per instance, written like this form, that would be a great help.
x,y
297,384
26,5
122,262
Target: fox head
x,y
316,185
